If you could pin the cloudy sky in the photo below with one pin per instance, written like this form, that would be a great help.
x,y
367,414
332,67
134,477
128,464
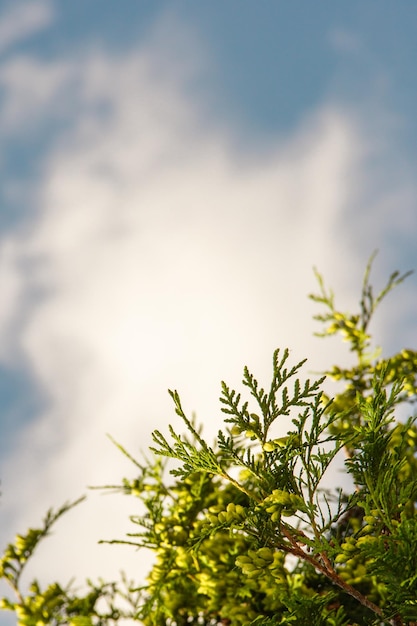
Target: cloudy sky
x,y
171,172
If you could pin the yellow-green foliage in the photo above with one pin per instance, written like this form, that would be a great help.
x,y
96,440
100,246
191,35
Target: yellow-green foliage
x,y
243,531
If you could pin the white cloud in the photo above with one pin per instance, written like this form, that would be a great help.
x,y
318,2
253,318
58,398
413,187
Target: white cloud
x,y
159,257
23,19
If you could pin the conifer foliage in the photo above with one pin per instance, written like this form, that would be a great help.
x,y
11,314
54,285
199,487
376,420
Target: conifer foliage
x,y
246,531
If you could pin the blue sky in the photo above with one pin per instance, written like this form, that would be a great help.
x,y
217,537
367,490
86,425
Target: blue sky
x,y
171,173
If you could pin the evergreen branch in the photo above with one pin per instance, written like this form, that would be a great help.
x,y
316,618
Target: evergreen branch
x,y
17,555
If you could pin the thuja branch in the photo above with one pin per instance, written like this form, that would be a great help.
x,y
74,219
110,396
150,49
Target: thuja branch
x,y
329,571
221,547
324,565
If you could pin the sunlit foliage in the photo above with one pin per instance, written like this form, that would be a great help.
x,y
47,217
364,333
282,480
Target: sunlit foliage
x,y
244,530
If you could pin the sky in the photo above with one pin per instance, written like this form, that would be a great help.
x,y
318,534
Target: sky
x,y
171,173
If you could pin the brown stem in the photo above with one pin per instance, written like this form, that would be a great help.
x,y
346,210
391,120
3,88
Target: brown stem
x,y
335,578
326,568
